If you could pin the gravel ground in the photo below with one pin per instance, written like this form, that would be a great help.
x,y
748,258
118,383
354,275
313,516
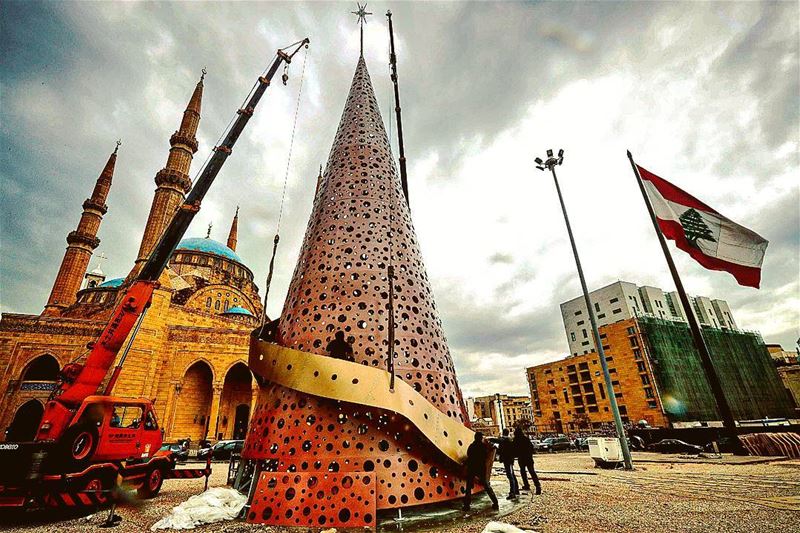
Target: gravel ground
x,y
656,497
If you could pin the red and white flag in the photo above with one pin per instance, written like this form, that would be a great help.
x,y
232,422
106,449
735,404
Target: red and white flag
x,y
712,240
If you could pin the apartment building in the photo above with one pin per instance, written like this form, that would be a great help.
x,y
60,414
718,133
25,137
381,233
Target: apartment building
x,y
623,300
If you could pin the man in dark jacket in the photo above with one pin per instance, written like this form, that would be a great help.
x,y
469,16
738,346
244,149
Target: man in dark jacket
x,y
506,453
340,348
523,449
477,457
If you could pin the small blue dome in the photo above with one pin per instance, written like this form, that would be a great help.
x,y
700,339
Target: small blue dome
x,y
237,311
112,283
209,246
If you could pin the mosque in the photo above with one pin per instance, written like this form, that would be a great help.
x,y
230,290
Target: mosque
x,y
190,353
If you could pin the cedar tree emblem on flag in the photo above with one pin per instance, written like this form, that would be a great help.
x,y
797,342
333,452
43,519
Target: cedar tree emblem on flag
x,y
713,240
694,227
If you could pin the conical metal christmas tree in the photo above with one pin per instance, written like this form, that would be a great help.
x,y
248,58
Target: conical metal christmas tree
x,y
360,224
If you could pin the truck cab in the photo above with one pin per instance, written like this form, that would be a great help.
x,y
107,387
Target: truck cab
x,y
109,428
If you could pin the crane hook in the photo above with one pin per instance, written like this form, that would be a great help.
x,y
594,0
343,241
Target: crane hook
x,y
285,76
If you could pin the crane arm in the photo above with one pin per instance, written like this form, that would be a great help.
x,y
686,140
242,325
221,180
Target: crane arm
x,y
88,377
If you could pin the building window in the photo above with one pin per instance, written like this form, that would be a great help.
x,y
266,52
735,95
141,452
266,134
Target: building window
x,y
648,392
652,404
585,343
613,300
634,341
572,336
585,335
602,391
580,322
208,302
216,305
577,313
603,335
597,307
616,311
601,315
607,348
645,379
637,353
631,330
640,366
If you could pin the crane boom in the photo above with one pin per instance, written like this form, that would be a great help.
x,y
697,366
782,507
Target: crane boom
x,y
84,380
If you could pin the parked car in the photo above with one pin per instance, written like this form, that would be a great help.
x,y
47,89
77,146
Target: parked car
x,y
674,446
555,444
582,443
180,451
221,450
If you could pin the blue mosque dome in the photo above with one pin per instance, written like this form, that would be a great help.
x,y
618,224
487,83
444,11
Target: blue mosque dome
x,y
112,283
238,311
209,246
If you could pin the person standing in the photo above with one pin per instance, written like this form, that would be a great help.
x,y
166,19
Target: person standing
x,y
506,453
477,457
339,348
523,448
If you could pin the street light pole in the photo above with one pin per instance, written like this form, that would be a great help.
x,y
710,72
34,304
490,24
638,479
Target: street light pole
x,y
499,404
551,164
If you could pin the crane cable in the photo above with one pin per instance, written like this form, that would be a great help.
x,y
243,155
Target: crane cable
x,y
283,195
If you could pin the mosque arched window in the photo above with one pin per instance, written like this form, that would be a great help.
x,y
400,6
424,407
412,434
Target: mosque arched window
x,y
208,302
227,305
43,368
216,305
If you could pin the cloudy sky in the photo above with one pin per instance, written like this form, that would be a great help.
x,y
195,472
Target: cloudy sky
x,y
704,94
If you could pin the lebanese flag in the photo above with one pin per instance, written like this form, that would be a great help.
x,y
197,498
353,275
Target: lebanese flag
x,y
712,240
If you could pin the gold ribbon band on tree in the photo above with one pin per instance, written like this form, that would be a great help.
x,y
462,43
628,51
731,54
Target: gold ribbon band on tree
x,y
345,381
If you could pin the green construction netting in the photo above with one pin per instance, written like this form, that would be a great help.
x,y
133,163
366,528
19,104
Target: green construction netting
x,y
748,376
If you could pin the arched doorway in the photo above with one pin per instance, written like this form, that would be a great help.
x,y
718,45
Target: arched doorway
x,y
234,406
26,421
43,368
193,403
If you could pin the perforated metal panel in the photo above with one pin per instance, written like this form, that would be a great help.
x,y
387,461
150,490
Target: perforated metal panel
x,y
359,218
315,500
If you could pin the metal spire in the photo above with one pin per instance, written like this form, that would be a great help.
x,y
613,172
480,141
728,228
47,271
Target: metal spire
x,y
208,233
362,19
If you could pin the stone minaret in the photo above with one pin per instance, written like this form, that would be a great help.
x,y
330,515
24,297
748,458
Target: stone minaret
x,y
81,243
172,181
233,236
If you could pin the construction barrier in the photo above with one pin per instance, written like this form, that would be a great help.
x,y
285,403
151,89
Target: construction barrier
x,y
772,444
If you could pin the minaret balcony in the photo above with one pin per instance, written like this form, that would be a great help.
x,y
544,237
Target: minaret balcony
x,y
97,206
85,239
168,177
179,138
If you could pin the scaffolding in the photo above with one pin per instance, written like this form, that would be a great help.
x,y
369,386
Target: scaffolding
x,y
749,379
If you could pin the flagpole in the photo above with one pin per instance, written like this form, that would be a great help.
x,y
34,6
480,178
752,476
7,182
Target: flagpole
x,y
728,421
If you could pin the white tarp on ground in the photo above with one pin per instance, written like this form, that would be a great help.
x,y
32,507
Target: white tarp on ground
x,y
500,527
214,505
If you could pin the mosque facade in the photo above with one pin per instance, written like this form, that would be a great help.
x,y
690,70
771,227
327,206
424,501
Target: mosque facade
x,y
190,354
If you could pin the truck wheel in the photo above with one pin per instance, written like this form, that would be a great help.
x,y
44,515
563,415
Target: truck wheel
x,y
78,445
152,483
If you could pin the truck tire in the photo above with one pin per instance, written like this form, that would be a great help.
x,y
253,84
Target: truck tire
x,y
152,483
78,445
